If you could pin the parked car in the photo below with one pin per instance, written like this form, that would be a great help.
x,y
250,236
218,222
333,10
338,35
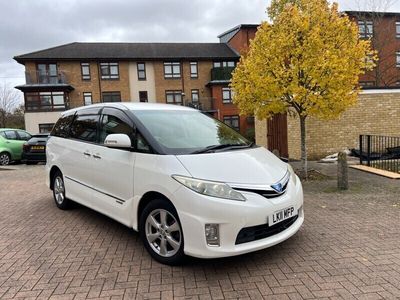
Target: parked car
x,y
11,141
187,182
34,150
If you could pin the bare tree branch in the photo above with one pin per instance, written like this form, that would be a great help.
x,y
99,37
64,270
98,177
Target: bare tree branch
x,y
9,101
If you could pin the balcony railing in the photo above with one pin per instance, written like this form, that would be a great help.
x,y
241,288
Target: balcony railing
x,y
224,73
204,104
36,77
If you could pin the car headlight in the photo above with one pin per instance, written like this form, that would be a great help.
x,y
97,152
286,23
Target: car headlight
x,y
210,188
292,174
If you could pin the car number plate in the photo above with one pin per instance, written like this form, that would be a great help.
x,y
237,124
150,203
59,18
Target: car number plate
x,y
37,148
281,215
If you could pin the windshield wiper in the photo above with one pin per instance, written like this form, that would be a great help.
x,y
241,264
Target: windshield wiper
x,y
222,146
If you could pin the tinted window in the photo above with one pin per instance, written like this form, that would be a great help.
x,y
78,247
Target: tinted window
x,y
61,129
11,135
111,124
85,128
24,136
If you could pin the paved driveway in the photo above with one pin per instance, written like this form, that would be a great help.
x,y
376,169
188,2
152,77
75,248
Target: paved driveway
x,y
348,248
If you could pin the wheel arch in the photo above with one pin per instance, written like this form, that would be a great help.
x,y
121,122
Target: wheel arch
x,y
53,171
144,200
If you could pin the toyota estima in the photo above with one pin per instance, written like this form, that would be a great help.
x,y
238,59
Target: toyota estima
x,y
187,182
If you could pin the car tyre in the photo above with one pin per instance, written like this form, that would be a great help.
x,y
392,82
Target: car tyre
x,y
161,232
5,159
59,191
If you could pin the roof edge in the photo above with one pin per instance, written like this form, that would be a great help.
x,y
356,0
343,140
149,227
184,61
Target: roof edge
x,y
240,26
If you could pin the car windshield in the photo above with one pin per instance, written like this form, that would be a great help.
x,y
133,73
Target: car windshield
x,y
189,132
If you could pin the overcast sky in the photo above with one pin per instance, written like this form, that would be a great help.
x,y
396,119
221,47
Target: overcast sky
x,y
29,25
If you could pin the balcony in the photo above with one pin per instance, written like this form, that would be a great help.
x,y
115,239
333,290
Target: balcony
x,y
205,104
221,74
36,77
39,81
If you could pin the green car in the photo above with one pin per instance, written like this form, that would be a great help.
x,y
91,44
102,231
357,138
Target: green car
x,y
11,142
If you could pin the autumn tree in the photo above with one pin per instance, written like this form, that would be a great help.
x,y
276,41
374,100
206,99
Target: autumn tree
x,y
9,100
306,62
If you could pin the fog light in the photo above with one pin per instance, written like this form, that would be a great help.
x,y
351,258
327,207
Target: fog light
x,y
212,234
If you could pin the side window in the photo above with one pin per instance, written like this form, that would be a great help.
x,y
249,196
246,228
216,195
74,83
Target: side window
x,y
11,135
111,124
141,144
84,128
3,134
61,129
23,136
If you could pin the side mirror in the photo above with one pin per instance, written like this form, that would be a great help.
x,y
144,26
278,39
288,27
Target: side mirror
x,y
118,140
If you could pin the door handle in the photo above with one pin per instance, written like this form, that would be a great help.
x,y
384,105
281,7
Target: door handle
x,y
97,156
87,154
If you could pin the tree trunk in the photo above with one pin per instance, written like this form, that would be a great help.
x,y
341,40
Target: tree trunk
x,y
303,147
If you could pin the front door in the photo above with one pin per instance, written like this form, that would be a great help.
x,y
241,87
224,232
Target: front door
x,y
113,168
277,136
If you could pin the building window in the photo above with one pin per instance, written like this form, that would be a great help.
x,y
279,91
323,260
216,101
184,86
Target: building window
x,y
45,128
47,73
143,96
193,69
45,101
398,59
195,95
141,71
367,83
365,29
109,70
223,64
87,98
173,97
111,96
398,29
172,70
232,121
227,95
85,70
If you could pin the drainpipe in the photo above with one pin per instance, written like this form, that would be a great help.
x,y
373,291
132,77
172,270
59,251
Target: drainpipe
x,y
99,79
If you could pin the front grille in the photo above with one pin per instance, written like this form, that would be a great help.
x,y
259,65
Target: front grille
x,y
255,233
265,193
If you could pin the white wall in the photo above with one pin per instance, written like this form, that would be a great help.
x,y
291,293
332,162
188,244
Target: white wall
x,y
136,85
33,119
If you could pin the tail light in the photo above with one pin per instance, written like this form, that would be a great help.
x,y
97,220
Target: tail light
x,y
26,147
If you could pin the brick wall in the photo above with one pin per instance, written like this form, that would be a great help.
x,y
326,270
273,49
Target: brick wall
x,y
72,71
185,83
375,113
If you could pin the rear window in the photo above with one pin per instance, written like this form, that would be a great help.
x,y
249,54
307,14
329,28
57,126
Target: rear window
x,y
62,127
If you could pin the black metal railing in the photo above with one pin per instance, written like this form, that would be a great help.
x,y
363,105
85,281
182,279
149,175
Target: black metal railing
x,y
223,73
38,77
204,104
381,152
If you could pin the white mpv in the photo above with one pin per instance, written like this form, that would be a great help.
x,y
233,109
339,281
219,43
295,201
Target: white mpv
x,y
187,182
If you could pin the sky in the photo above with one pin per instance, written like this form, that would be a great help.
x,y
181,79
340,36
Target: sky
x,y
30,25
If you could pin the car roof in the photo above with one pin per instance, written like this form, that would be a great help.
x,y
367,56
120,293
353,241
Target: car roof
x,y
3,129
134,106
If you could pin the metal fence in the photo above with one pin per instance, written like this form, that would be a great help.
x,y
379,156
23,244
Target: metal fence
x,y
382,152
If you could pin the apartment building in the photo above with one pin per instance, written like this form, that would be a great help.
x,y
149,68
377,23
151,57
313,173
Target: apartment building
x,y
76,74
383,29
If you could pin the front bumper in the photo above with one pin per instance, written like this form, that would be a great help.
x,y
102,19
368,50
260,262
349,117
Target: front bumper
x,y
196,210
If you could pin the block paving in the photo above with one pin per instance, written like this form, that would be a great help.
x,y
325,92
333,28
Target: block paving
x,y
348,248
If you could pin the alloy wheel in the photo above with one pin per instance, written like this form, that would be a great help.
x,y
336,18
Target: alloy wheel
x,y
59,190
4,159
163,233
